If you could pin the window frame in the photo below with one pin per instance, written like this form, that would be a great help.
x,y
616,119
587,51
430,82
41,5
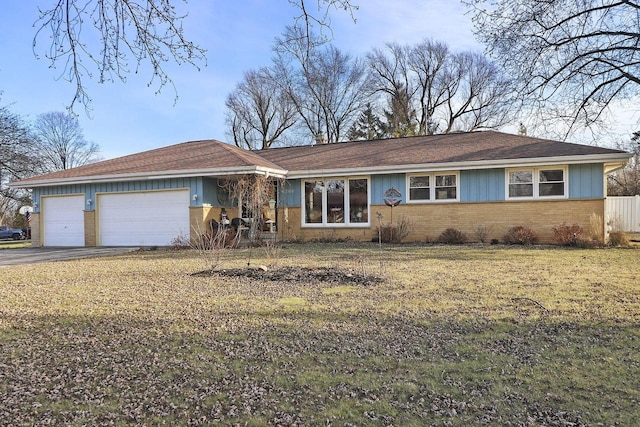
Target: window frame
x,y
536,182
347,222
432,187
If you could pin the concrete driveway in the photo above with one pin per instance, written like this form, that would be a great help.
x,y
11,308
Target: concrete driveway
x,y
36,255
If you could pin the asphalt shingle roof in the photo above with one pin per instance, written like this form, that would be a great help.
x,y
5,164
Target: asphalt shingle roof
x,y
436,149
211,155
194,155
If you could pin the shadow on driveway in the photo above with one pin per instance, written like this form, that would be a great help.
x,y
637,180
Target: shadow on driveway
x,y
35,255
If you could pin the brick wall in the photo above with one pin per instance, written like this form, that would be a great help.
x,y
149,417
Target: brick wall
x,y
429,220
90,238
36,238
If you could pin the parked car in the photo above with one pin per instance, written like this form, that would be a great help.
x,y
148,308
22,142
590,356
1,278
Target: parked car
x,y
10,233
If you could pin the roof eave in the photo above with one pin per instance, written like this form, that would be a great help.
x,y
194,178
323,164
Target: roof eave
x,y
613,158
140,176
613,161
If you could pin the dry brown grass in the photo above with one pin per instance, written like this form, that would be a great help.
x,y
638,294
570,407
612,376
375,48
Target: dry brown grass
x,y
453,336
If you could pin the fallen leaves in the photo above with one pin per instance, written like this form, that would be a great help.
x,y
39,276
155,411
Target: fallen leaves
x,y
140,341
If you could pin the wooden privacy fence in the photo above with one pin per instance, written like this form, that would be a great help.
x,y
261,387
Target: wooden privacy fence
x,y
625,211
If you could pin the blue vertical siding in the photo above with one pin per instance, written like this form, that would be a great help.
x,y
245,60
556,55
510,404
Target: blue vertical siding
x,y
289,193
195,186
209,191
482,185
381,183
586,181
486,185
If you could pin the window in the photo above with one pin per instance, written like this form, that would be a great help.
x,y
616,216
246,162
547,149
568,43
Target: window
x,y
536,183
419,188
521,183
446,187
358,200
433,187
313,201
551,182
336,202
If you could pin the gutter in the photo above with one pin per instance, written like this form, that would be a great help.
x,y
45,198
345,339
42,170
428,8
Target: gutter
x,y
142,176
612,162
618,159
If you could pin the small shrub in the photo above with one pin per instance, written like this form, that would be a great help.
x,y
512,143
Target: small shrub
x,y
618,238
387,233
330,237
482,232
596,227
520,235
272,251
588,243
210,244
567,235
180,242
452,236
495,241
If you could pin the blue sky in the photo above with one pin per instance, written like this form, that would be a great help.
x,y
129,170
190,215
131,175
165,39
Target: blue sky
x,y
238,35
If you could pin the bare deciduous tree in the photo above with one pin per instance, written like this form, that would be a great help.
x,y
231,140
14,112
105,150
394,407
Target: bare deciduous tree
x,y
258,112
16,161
60,143
440,90
329,88
569,59
428,60
129,32
132,34
308,20
476,94
392,77
626,181
15,146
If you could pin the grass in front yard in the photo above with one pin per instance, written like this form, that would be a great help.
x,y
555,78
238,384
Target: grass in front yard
x,y
453,336
14,244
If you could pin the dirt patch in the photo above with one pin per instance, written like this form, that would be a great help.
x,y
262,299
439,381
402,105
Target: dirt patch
x,y
297,275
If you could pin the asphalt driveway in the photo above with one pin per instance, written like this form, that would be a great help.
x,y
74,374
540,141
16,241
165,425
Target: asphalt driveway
x,y
35,255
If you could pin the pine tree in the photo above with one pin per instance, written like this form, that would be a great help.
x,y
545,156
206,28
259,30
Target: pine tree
x,y
401,119
368,126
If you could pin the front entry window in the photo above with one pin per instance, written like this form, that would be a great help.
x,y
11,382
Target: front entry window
x,y
313,201
358,200
336,201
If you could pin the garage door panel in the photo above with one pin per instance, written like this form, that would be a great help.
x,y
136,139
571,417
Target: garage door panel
x,y
63,220
143,219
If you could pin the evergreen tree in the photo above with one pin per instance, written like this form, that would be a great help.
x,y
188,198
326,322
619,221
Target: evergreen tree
x,y
401,119
368,126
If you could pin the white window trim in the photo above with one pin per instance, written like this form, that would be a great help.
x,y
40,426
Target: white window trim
x,y
432,187
536,183
347,208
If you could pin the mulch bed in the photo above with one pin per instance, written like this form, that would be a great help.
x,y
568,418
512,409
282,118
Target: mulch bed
x,y
297,274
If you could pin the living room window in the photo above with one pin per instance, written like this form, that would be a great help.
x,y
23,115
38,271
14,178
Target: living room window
x,y
534,183
436,186
335,202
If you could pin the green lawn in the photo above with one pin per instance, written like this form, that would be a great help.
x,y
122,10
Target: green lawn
x,y
452,336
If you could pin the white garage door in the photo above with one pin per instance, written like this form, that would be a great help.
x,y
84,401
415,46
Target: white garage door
x,y
143,219
63,220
